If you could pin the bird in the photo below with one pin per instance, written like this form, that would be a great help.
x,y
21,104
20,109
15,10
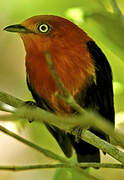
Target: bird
x,y
82,68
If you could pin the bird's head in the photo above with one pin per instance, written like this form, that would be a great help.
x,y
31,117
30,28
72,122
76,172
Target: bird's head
x,y
45,30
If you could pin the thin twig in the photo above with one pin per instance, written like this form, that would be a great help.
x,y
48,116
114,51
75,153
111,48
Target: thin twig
x,y
52,69
86,136
34,146
66,95
46,152
10,100
116,7
48,166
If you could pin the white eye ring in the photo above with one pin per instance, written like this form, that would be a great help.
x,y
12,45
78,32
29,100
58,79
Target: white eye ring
x,y
44,28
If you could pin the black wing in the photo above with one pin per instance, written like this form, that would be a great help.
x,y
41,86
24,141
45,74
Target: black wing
x,y
99,97
103,94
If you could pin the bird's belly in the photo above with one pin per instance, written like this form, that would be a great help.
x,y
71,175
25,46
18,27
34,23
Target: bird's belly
x,y
73,76
46,87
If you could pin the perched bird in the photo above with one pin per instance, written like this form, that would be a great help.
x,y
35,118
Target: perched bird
x,y
80,65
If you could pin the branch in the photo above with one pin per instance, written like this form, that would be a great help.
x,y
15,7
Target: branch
x,y
41,115
91,119
49,166
103,145
46,153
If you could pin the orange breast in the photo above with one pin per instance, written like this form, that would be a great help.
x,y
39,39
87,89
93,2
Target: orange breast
x,y
72,63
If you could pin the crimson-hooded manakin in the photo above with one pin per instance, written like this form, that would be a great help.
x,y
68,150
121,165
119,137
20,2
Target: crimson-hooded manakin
x,y
80,65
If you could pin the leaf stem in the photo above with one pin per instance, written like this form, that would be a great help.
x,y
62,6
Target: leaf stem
x,y
49,166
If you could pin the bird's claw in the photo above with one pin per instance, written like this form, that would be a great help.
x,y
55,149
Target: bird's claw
x,y
31,104
77,133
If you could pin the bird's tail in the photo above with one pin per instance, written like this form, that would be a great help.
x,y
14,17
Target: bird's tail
x,y
85,151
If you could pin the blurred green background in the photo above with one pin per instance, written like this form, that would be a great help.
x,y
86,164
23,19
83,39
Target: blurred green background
x,y
100,19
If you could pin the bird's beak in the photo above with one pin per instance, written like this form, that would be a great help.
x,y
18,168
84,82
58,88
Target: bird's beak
x,y
18,28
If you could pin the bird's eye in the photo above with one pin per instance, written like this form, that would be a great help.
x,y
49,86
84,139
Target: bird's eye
x,y
44,28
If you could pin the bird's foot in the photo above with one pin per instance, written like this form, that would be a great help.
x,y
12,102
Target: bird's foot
x,y
32,105
77,133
